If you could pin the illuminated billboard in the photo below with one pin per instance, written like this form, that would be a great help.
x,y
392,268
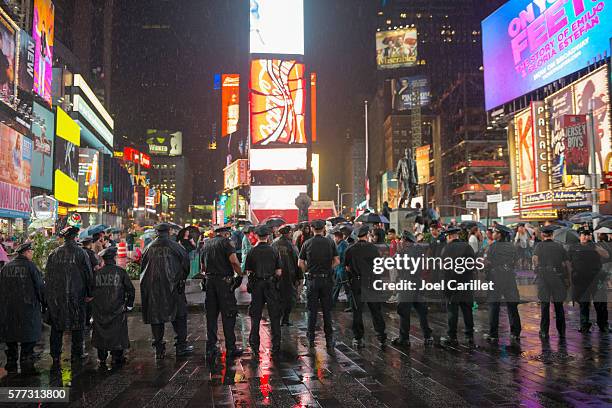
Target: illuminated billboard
x,y
277,27
67,142
8,60
27,48
164,142
236,174
43,33
278,159
403,91
532,43
43,131
523,132
15,169
230,103
396,48
89,176
267,201
277,99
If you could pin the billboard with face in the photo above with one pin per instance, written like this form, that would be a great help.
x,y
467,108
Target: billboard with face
x,y
277,99
230,104
530,44
43,32
404,90
42,156
164,142
397,48
67,142
8,38
15,170
89,176
277,27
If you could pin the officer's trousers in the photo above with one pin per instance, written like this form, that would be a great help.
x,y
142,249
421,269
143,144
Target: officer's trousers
x,y
56,339
601,310
180,328
220,299
513,317
263,292
453,317
403,310
545,317
319,290
12,351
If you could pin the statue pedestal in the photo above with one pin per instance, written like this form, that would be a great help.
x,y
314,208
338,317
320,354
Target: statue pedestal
x,y
402,219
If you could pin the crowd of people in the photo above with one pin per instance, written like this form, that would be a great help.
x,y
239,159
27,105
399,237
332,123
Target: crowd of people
x,y
83,284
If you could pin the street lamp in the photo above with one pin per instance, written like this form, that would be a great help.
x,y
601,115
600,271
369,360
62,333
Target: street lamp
x,y
338,194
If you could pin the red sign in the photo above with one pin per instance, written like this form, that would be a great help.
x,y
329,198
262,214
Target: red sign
x,y
129,153
132,155
230,103
576,145
145,160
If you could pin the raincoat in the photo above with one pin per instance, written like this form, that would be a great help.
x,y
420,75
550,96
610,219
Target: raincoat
x,y
21,296
289,264
68,282
165,267
113,293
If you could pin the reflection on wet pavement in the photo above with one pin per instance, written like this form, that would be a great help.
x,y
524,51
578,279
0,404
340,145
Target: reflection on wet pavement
x,y
536,373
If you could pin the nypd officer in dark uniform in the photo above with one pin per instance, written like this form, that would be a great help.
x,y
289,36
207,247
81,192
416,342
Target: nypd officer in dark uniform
x,y
291,275
458,299
318,257
222,272
359,261
501,259
587,276
551,264
86,244
411,299
21,297
264,271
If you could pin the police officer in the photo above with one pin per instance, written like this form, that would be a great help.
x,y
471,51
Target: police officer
x,y
222,271
165,267
359,262
113,296
501,259
86,244
318,257
21,297
341,280
436,242
458,299
291,275
586,271
69,283
551,264
263,266
411,299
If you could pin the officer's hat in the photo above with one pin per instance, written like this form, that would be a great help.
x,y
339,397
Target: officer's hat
x,y
86,240
453,230
69,232
24,247
108,253
408,236
285,229
585,231
221,230
549,229
162,227
363,230
263,230
502,229
318,224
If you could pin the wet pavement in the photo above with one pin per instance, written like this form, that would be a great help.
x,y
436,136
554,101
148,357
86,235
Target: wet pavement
x,y
536,373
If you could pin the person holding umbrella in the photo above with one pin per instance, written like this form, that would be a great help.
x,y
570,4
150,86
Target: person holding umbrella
x,y
341,281
551,264
21,299
501,260
586,271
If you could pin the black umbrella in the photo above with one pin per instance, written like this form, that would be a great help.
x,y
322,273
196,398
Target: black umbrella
x,y
336,220
274,221
583,217
468,225
371,218
566,235
606,223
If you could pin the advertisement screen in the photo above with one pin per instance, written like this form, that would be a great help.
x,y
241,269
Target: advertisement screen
x,y
230,104
27,49
277,27
277,98
278,159
43,33
403,89
89,176
422,160
576,144
236,174
15,169
67,142
42,156
530,44
397,48
164,142
523,129
559,105
8,36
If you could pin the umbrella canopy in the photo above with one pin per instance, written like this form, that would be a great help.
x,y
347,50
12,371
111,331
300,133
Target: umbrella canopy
x,y
584,217
243,222
565,223
274,221
336,220
605,223
372,218
175,226
467,225
84,234
566,235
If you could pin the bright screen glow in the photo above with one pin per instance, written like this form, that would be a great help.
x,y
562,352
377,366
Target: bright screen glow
x,y
397,48
278,159
277,97
275,197
277,27
43,32
530,44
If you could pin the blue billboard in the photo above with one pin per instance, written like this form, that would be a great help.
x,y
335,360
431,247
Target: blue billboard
x,y
528,44
43,131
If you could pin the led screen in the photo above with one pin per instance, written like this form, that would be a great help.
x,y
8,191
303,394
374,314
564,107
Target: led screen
x,y
278,159
406,91
164,142
397,48
43,33
43,130
8,47
277,27
529,44
230,104
67,142
15,168
277,98
275,197
89,176
523,131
